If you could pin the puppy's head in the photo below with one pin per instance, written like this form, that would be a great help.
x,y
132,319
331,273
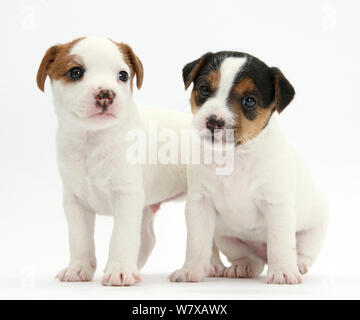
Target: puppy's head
x,y
91,80
237,91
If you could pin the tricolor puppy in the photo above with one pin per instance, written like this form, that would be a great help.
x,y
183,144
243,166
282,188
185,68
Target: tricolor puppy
x,y
92,83
268,210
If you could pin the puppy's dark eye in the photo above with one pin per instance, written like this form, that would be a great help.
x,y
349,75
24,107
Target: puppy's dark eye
x,y
249,102
123,76
204,91
75,73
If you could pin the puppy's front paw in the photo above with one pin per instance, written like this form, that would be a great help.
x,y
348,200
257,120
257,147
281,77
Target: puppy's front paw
x,y
189,275
118,276
283,277
75,274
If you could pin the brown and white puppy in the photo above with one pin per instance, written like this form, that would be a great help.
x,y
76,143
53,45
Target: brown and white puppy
x,y
267,210
91,81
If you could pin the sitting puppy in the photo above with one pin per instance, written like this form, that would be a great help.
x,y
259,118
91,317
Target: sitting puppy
x,y
92,82
267,210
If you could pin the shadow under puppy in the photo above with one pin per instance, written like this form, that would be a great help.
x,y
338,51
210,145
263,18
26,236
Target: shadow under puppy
x,y
268,209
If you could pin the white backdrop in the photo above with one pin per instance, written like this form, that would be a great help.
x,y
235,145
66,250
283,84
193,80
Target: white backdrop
x,y
314,43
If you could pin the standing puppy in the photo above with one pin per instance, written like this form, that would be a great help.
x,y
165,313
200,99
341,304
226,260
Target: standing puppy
x,y
92,82
267,210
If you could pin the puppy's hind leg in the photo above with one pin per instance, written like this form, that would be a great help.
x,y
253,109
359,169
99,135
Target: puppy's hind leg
x,y
147,236
308,245
244,262
309,242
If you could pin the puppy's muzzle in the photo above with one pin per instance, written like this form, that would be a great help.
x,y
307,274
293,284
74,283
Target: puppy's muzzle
x,y
214,123
104,98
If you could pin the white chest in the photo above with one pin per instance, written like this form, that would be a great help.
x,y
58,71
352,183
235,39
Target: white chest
x,y
233,197
87,176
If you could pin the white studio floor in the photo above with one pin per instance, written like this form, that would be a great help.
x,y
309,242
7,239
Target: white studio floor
x,y
35,248
156,286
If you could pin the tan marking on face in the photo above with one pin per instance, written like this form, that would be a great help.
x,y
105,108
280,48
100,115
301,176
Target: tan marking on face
x,y
244,87
56,62
245,129
194,106
134,63
214,80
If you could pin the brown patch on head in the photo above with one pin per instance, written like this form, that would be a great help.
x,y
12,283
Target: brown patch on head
x,y
56,62
214,79
244,87
134,63
248,122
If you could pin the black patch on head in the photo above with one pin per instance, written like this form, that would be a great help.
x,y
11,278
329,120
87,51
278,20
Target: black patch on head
x,y
262,77
196,72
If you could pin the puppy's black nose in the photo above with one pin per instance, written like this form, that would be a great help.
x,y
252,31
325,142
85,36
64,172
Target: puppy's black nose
x,y
106,95
213,123
104,98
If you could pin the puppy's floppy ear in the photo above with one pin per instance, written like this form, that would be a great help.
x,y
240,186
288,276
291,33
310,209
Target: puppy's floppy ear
x,y
191,70
284,91
134,63
45,64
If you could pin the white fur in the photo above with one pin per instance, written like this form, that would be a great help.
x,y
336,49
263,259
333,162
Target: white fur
x,y
97,178
269,199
